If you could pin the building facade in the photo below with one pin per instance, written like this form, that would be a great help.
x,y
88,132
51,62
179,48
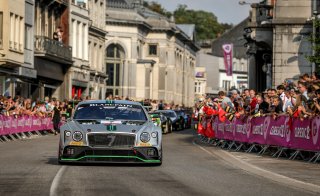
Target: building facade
x,y
239,78
16,47
52,56
200,82
147,55
78,75
97,49
277,41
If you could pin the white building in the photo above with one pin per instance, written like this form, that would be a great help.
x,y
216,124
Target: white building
x,y
79,73
148,56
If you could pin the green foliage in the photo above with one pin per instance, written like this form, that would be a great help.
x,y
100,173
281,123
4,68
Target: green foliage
x,y
315,40
206,23
156,7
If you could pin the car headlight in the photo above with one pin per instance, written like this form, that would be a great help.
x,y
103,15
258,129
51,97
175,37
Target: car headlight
x,y
67,133
154,134
145,137
77,136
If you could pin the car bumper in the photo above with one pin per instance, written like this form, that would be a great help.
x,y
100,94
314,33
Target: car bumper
x,y
109,155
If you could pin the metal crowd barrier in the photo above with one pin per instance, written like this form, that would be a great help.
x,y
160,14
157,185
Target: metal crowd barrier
x,y
12,128
261,134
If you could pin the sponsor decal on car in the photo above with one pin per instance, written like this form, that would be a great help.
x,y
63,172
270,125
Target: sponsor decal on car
x,y
144,144
74,143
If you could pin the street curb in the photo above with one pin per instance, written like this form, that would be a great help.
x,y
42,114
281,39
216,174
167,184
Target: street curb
x,y
234,161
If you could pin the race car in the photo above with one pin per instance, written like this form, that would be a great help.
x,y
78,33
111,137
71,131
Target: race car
x,y
162,121
177,122
110,131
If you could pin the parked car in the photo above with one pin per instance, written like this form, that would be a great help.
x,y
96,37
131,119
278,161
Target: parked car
x,y
110,131
162,121
177,122
186,116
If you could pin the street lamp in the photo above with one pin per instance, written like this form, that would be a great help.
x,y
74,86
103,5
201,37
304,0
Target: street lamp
x,y
245,3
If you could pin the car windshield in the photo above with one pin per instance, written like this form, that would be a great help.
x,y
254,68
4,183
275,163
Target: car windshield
x,y
106,111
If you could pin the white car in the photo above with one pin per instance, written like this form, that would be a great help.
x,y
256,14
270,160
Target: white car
x,y
110,131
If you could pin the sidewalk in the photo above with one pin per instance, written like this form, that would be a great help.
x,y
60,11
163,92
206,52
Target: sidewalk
x,y
292,173
298,170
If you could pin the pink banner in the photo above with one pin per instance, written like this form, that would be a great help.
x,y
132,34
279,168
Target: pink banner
x,y
227,52
11,125
243,125
278,131
229,129
305,134
283,131
257,132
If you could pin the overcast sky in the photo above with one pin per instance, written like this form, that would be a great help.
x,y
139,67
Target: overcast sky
x,y
227,11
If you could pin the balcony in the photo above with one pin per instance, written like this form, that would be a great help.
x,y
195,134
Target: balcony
x,y
52,50
55,2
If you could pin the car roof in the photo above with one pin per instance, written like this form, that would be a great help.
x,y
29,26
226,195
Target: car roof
x,y
110,102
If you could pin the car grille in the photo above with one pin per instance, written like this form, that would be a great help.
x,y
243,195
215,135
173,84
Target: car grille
x,y
111,140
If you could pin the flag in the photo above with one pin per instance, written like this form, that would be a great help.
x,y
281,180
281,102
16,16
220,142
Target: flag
x,y
227,52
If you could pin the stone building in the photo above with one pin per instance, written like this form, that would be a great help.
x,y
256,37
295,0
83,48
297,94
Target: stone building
x,y
97,49
148,56
278,42
52,56
16,47
216,67
79,74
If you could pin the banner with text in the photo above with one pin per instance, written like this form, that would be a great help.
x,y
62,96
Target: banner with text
x,y
283,131
227,53
11,125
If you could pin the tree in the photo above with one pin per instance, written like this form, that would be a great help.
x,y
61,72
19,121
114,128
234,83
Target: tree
x,y
207,25
315,40
156,7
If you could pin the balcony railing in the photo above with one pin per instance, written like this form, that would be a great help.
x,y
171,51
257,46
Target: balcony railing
x,y
52,49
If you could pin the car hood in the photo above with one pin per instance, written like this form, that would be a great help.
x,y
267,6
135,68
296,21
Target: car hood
x,y
107,127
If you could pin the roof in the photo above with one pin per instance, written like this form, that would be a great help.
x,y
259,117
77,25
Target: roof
x,y
131,12
188,29
233,36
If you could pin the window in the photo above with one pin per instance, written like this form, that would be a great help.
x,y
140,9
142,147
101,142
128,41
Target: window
x,y
1,30
153,50
226,85
114,62
16,41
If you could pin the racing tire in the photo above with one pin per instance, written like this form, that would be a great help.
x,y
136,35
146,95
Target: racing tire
x,y
166,129
172,128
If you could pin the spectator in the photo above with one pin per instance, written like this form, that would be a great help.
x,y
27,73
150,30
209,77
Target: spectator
x,y
277,105
264,107
225,101
302,86
253,102
56,117
289,101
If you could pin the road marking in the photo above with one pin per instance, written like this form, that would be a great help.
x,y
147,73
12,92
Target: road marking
x,y
56,180
290,182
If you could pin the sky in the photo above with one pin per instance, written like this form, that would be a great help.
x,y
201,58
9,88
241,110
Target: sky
x,y
227,11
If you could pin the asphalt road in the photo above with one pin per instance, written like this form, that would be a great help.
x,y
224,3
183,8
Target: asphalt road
x,y
30,167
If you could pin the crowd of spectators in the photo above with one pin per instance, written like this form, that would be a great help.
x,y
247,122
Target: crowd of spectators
x,y
297,99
